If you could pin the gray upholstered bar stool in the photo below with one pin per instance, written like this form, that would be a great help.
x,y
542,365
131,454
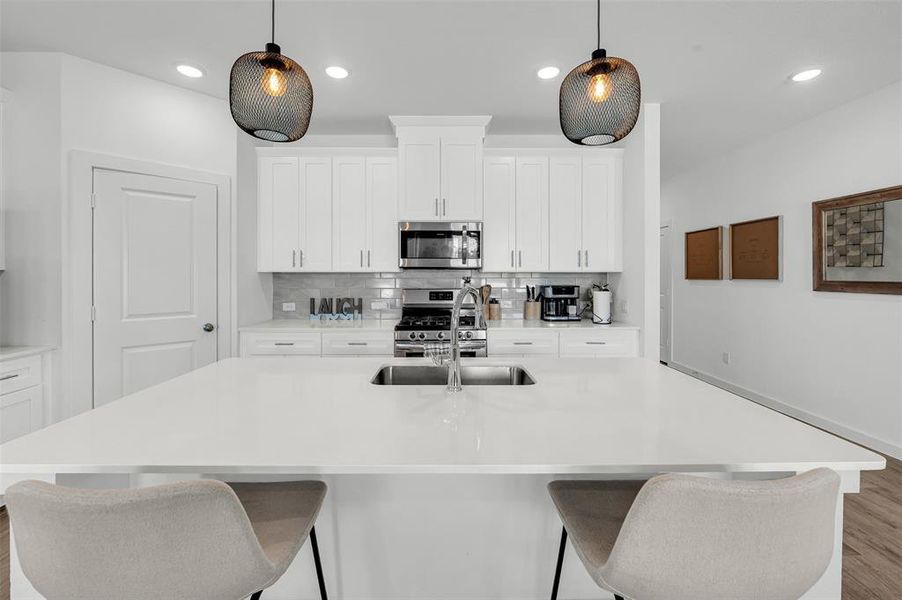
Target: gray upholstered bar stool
x,y
679,537
197,540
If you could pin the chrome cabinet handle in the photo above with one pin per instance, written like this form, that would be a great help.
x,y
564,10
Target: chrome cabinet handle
x,y
301,253
520,254
436,207
361,259
512,258
357,344
294,258
283,344
7,377
208,327
587,258
367,258
597,343
522,343
444,207
579,258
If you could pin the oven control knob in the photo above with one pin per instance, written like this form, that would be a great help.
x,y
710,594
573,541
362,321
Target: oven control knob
x,y
460,335
421,335
413,335
441,335
469,335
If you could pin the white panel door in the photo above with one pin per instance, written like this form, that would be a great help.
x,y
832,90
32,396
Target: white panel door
x,y
419,168
461,179
565,221
315,227
278,214
382,213
349,218
499,214
154,280
532,214
600,231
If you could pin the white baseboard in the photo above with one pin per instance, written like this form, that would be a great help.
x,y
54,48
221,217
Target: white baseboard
x,y
849,433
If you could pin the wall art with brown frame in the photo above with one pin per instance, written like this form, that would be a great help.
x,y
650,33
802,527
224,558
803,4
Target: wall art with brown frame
x,y
704,254
755,249
857,243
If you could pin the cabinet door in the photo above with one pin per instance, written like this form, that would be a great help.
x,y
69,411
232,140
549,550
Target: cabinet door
x,y
565,221
419,169
600,216
349,218
461,179
278,214
21,412
281,343
359,343
499,215
382,213
315,247
532,214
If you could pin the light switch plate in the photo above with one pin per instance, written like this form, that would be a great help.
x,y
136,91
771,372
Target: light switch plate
x,y
289,307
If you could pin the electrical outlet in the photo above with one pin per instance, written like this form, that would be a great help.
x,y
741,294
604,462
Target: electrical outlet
x,y
379,305
726,358
624,308
289,307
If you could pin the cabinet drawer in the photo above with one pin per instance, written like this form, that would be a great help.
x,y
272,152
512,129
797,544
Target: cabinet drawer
x,y
19,374
521,343
21,412
280,344
356,343
600,342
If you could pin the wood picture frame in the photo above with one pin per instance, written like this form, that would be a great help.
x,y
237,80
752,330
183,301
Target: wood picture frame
x,y
704,254
819,210
755,249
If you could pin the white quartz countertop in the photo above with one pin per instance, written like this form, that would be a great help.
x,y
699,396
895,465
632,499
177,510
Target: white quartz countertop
x,y
310,415
11,352
289,325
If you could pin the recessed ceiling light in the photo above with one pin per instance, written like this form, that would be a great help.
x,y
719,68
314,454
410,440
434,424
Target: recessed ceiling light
x,y
806,75
336,72
548,72
189,71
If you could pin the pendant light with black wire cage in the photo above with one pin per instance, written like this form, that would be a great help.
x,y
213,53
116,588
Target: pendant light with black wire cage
x,y
270,95
600,99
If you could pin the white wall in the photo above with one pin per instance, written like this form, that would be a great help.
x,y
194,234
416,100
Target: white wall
x,y
254,289
833,359
639,280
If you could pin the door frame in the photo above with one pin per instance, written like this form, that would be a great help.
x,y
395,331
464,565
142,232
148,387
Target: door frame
x,y
77,351
668,225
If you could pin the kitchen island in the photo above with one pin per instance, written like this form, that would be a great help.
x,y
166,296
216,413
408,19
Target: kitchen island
x,y
432,495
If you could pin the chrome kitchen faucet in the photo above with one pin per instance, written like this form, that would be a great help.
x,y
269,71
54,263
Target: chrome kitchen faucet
x,y
450,356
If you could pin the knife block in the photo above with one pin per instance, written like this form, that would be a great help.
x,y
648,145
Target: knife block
x,y
532,310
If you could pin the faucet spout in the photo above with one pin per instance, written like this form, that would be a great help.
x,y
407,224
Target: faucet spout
x,y
454,382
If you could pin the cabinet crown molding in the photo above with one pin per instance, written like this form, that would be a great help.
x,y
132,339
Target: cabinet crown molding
x,y
402,122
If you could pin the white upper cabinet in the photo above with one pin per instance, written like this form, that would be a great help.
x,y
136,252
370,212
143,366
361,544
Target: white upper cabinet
x,y
516,214
315,243
364,208
586,223
440,166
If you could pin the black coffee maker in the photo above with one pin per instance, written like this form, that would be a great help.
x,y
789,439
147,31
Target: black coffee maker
x,y
560,303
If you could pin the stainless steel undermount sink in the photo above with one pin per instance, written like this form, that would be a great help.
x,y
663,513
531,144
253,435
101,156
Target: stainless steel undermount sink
x,y
469,374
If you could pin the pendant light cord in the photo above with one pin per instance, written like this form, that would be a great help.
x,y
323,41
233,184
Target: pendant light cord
x,y
273,21
597,21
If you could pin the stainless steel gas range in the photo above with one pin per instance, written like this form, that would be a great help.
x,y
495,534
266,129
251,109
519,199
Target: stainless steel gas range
x,y
426,319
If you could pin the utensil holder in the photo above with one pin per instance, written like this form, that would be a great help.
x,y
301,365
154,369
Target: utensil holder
x,y
531,310
493,312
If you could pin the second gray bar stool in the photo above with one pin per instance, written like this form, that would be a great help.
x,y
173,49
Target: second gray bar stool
x,y
197,540
679,537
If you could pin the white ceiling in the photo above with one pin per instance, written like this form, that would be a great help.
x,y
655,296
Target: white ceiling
x,y
720,69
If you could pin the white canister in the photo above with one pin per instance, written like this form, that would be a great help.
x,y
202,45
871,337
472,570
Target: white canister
x,y
601,307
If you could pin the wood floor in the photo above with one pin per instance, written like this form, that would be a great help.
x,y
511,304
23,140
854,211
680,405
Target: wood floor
x,y
872,538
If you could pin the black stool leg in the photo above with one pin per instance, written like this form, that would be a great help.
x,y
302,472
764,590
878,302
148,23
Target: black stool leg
x,y
319,566
616,597
560,562
256,595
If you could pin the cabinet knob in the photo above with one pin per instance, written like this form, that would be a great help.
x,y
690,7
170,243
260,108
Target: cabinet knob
x,y
208,327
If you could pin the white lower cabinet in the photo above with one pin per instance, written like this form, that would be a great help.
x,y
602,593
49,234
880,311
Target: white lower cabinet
x,y
359,343
523,343
599,343
281,344
21,397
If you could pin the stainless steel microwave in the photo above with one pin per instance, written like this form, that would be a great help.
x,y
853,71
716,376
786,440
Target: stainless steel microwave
x,y
436,245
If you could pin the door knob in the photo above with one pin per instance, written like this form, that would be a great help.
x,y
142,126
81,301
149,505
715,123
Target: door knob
x,y
208,327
